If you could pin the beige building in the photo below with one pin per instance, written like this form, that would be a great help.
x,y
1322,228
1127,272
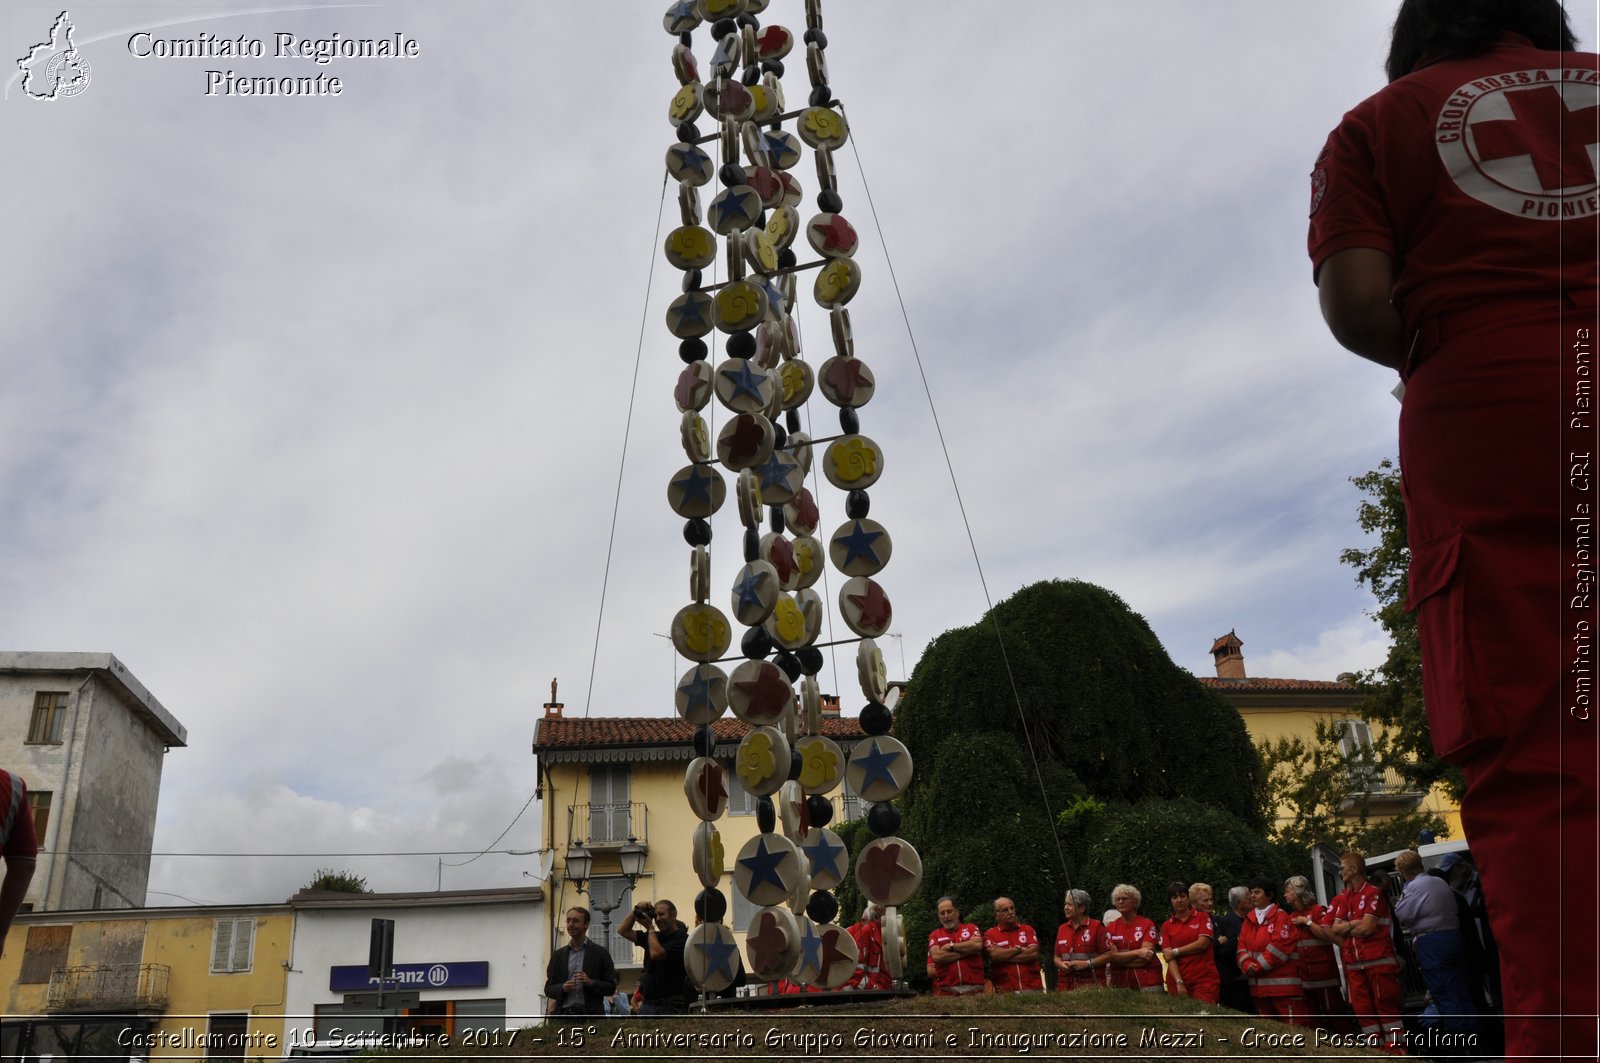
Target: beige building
x,y
609,780
1292,708
90,742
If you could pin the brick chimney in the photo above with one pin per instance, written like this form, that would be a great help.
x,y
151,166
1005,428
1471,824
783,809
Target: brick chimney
x,y
1228,654
829,703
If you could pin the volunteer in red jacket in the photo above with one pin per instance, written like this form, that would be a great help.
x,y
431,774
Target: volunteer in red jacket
x,y
1079,944
1363,928
1455,219
1013,951
1132,941
868,936
1186,940
1267,958
19,846
955,953
1319,968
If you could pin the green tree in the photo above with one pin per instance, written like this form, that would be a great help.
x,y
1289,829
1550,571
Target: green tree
x,y
1116,733
1394,689
337,881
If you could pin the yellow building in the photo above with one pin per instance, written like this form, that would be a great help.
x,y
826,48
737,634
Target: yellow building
x,y
1292,708
608,780
151,983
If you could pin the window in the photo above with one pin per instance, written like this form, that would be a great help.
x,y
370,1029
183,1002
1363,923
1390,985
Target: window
x,y
231,943
39,807
49,712
608,803
1355,746
850,806
741,912
226,1035
741,802
610,891
45,950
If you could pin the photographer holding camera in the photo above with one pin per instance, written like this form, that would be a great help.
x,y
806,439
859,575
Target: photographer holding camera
x,y
655,928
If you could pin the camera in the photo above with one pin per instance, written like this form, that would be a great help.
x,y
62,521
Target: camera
x,y
644,912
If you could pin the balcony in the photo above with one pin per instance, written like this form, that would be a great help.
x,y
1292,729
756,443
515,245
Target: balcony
x,y
1381,789
607,827
109,987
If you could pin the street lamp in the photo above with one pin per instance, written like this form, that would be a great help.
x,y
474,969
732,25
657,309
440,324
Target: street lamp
x,y
580,863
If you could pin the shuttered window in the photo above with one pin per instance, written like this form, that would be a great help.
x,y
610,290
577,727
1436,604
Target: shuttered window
x,y
46,949
231,945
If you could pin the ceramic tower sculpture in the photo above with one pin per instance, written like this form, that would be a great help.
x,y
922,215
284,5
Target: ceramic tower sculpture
x,y
733,150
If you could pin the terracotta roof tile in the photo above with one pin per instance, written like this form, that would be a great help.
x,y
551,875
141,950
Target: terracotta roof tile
x,y
1264,684
615,731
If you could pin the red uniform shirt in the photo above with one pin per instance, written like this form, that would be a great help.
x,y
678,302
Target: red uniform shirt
x,y
1267,954
1484,206
1080,943
1318,967
16,819
1010,976
1199,969
1378,949
965,971
1126,935
870,974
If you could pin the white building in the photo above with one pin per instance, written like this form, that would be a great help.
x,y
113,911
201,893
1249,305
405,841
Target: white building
x,y
89,740
476,957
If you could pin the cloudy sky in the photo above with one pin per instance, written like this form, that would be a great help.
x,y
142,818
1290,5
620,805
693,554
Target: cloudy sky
x,y
320,409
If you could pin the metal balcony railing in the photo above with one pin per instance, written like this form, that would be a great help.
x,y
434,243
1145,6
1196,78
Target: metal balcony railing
x,y
109,987
607,825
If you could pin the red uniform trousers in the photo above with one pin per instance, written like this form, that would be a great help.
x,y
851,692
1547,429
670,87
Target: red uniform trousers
x,y
1502,512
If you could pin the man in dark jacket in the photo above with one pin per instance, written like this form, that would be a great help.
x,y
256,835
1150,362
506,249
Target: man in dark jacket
x,y
581,975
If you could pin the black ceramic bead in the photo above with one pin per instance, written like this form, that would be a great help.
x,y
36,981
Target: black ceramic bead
x,y
722,27
691,279
697,532
829,201
711,906
788,662
849,421
819,810
779,436
786,258
822,907
756,643
775,523
810,659
686,39
820,96
731,174
857,504
741,344
747,19
797,763
705,741
751,74
883,819
766,816
688,132
693,350
876,719
773,67
816,37
752,545
791,420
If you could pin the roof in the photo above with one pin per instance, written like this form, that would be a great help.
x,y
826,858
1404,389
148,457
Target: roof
x,y
425,899
1266,693
613,738
140,701
1263,684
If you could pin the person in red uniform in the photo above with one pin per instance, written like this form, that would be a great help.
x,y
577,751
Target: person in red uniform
x,y
18,844
1132,941
1454,231
868,936
1013,951
1186,940
955,953
1079,942
1267,958
1363,928
1319,968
